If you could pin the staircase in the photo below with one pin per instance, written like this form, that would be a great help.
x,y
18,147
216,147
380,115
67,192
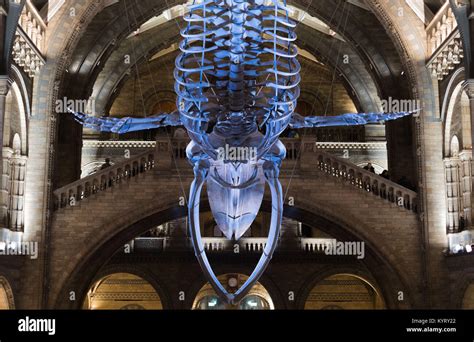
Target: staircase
x,y
102,180
307,160
367,181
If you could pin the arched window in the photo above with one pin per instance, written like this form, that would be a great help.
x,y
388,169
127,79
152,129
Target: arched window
x,y
6,295
211,302
258,297
253,302
122,291
344,291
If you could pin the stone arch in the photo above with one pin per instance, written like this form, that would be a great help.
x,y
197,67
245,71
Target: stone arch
x,y
136,271
358,278
456,99
16,118
78,271
103,287
381,10
309,100
165,105
369,104
257,290
141,272
461,289
63,48
407,40
20,89
54,74
275,292
466,122
451,91
468,298
357,271
449,118
350,228
7,301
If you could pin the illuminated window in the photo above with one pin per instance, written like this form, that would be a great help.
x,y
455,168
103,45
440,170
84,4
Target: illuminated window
x,y
254,303
210,303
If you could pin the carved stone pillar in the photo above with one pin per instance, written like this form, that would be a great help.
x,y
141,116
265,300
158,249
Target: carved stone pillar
x,y
307,160
5,186
17,192
5,84
466,185
163,160
453,191
290,233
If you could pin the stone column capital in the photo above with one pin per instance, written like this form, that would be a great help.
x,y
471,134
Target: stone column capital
x,y
5,84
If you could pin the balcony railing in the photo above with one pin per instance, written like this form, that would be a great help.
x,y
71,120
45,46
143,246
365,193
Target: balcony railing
x,y
366,180
28,46
444,43
215,245
303,156
316,245
112,176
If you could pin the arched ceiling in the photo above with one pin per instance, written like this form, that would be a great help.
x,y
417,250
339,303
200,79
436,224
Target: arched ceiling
x,y
374,70
153,82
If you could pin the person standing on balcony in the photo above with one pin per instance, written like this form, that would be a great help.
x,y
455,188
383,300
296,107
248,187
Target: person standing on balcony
x,y
106,164
369,167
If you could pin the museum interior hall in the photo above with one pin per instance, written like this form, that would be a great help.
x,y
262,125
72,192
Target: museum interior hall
x,y
111,116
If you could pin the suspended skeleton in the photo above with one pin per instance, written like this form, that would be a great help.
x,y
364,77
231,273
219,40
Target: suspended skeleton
x,y
237,85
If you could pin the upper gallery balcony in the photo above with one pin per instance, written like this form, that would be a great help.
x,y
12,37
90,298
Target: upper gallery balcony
x,y
444,43
28,47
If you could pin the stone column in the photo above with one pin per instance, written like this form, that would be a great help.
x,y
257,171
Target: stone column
x,y
308,162
5,190
17,192
5,194
290,234
163,159
466,187
453,193
5,84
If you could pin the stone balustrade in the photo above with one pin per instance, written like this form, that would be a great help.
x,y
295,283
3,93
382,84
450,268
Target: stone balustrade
x,y
303,157
444,43
316,245
216,244
365,180
222,244
250,245
102,180
28,46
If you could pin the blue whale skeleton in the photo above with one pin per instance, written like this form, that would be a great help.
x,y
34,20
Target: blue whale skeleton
x,y
237,85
